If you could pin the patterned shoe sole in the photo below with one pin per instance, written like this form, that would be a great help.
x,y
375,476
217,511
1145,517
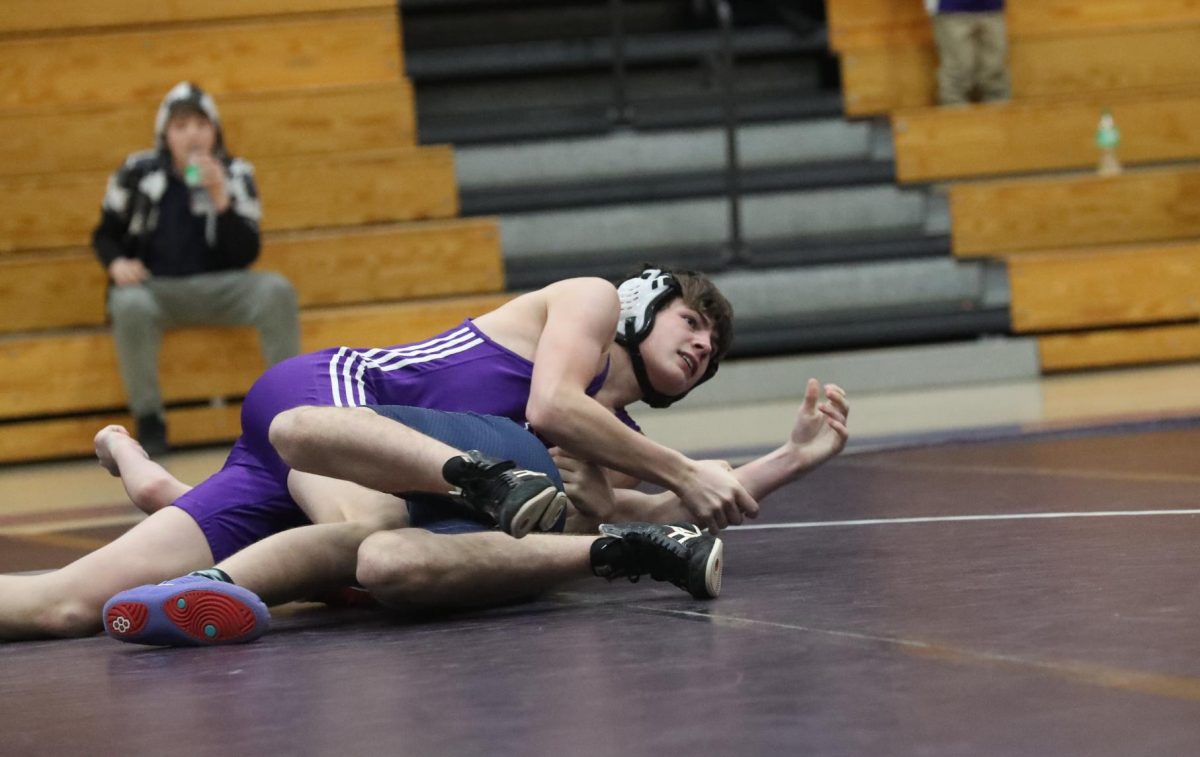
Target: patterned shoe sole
x,y
187,617
126,619
530,514
210,617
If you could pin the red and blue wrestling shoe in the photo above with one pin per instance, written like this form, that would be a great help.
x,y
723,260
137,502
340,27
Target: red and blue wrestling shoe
x,y
191,611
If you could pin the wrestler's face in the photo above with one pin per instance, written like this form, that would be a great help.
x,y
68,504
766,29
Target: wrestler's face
x,y
678,348
189,132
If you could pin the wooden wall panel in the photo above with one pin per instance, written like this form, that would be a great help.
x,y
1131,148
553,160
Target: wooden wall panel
x,y
25,16
256,126
118,67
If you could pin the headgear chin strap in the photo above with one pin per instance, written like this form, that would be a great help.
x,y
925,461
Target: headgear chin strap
x,y
641,299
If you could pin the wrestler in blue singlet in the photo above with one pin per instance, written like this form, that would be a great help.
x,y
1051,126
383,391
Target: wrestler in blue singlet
x,y
461,370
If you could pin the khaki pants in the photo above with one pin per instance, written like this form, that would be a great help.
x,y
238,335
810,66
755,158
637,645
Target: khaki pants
x,y
973,54
140,313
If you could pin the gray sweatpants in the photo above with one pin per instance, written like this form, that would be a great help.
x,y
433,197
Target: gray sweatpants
x,y
140,313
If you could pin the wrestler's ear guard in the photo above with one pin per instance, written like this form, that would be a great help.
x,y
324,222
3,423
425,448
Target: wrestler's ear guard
x,y
641,298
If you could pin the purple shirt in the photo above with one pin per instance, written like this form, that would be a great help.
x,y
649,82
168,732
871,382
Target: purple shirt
x,y
970,6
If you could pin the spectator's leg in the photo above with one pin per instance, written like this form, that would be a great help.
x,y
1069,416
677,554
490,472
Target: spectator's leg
x,y
138,322
993,57
275,313
956,57
264,300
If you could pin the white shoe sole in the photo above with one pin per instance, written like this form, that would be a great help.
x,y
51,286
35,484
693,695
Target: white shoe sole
x,y
713,568
536,511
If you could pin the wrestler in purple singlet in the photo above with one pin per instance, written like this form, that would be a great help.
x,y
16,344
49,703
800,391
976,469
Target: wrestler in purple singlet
x,y
460,370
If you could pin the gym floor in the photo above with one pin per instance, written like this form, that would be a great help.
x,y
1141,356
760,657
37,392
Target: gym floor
x,y
1008,589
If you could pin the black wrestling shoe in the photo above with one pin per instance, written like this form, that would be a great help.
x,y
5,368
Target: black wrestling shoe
x,y
680,553
514,499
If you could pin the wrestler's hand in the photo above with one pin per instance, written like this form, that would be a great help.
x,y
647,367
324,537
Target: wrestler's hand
x,y
820,431
715,497
586,485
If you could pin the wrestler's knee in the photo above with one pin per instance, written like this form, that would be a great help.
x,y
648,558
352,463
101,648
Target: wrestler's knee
x,y
68,617
289,431
393,565
154,492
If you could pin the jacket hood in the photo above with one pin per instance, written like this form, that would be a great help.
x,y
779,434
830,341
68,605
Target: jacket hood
x,y
188,93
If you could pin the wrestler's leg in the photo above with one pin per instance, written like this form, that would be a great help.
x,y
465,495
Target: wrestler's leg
x,y
67,602
306,561
147,483
416,568
358,445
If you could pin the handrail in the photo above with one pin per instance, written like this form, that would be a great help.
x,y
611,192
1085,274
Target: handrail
x,y
736,252
621,113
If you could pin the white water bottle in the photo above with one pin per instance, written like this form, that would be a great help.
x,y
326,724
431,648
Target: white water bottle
x,y
201,200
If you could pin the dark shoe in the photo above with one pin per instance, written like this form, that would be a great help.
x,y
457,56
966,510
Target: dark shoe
x,y
680,553
189,611
152,435
516,500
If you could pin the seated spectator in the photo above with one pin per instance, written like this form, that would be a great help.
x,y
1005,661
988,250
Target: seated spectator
x,y
972,50
178,229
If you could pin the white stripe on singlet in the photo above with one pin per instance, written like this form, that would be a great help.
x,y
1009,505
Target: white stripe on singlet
x,y
355,363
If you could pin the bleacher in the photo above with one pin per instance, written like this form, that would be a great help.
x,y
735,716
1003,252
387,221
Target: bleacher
x,y
1102,270
361,219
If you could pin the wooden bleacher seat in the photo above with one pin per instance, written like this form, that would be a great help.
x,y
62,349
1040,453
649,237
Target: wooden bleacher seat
x,y
1003,217
1108,348
860,24
1057,48
24,16
1106,286
255,55
76,371
313,93
1018,137
1109,306
306,191
257,126
328,267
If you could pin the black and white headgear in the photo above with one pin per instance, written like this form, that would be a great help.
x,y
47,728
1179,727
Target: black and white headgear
x,y
641,298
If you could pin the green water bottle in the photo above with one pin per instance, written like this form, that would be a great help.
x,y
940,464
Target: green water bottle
x,y
1108,137
200,200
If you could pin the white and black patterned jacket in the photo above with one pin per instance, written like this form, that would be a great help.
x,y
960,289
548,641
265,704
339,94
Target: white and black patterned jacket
x,y
129,213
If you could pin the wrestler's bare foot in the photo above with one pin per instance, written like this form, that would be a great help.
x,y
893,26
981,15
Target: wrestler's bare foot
x,y
109,438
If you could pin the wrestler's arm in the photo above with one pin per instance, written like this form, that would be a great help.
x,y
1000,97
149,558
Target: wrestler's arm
x,y
580,323
819,433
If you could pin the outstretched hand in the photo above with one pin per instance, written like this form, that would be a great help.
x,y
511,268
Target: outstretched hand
x,y
820,431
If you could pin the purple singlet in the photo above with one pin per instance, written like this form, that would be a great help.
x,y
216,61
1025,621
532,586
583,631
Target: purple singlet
x,y
460,370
